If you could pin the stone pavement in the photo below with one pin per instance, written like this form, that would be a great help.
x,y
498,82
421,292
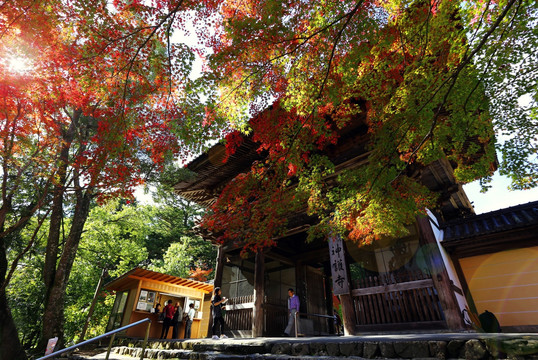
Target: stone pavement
x,y
465,345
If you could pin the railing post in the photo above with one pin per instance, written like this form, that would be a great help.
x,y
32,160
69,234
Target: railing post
x,y
145,342
110,346
296,323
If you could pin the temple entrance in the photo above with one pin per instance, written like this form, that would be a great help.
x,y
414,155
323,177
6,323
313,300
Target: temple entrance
x,y
304,267
292,264
392,285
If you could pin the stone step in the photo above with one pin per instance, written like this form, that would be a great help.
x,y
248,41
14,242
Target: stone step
x,y
211,355
477,346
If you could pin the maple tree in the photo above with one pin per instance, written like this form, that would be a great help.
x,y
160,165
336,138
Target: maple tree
x,y
425,75
87,122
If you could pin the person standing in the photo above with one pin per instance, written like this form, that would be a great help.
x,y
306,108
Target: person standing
x,y
217,303
188,321
293,308
178,317
168,316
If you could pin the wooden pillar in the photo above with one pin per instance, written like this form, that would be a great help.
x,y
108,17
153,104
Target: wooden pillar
x,y
300,284
341,286
440,277
219,268
328,296
258,315
348,315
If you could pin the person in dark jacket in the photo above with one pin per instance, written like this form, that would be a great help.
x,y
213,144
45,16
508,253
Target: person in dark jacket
x,y
168,316
218,319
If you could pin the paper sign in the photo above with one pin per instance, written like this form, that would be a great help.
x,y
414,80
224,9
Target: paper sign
x,y
51,345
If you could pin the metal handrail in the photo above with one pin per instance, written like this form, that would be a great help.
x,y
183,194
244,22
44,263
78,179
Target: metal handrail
x,y
307,314
113,333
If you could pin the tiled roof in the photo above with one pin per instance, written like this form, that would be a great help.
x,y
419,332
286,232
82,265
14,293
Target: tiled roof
x,y
493,222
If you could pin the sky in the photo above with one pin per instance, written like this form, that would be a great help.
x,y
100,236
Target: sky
x,y
498,197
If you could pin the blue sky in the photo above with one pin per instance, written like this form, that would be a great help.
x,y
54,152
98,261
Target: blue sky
x,y
498,197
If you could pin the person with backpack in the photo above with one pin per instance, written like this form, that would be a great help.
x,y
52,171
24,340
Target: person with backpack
x,y
189,316
168,312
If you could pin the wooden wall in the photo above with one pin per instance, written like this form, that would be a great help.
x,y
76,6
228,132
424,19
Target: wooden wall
x,y
506,284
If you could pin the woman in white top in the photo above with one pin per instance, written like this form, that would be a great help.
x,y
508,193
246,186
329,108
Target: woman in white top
x,y
188,323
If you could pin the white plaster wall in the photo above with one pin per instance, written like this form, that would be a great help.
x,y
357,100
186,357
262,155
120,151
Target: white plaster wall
x,y
438,233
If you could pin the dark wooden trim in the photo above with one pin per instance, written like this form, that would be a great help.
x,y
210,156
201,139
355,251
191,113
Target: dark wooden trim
x,y
457,290
492,243
417,284
440,277
258,314
430,325
219,267
464,286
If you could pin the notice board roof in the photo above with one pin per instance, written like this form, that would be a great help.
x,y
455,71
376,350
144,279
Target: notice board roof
x,y
143,274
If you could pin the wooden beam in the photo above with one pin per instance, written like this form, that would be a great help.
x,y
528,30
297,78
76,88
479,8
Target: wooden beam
x,y
417,284
273,255
219,267
320,255
258,315
440,277
184,285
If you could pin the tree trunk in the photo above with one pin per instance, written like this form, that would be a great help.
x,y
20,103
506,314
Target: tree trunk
x,y
10,346
53,239
94,302
53,316
56,216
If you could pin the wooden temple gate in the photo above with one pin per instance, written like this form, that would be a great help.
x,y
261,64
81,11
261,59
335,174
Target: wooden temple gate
x,y
379,297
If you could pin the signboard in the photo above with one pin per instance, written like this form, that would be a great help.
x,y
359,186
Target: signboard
x,y
146,300
338,265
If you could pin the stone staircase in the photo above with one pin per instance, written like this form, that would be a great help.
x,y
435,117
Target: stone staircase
x,y
391,346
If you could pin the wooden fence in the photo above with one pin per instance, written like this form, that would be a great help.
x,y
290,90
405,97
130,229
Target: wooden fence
x,y
396,298
239,313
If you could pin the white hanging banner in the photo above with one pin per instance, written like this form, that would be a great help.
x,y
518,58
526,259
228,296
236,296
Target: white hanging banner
x,y
338,265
